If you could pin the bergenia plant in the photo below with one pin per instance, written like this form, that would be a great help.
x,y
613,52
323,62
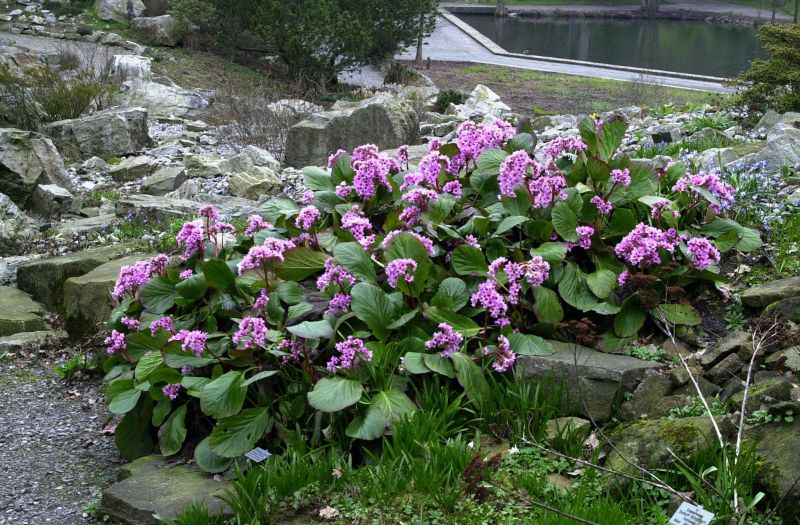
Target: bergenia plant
x,y
312,322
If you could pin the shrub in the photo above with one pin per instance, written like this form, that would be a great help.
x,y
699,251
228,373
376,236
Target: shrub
x,y
447,97
774,83
314,321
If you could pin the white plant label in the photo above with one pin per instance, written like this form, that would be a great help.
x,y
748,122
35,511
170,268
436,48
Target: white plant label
x,y
258,454
688,514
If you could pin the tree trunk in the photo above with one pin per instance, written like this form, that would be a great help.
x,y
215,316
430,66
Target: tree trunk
x,y
650,6
418,58
500,8
796,10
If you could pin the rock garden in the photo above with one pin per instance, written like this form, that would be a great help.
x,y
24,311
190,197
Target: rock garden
x,y
406,305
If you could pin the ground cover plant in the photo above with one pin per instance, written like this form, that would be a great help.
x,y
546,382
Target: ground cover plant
x,y
315,322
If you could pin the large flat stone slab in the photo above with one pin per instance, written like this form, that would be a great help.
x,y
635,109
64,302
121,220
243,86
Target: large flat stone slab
x,y
771,292
151,485
87,298
44,280
592,381
16,342
19,313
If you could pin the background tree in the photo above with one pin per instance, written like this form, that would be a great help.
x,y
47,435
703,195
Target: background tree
x,y
774,83
429,10
650,6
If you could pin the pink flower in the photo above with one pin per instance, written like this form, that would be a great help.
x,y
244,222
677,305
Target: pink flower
x,y
256,223
447,339
191,238
261,303
130,323
704,254
209,212
339,304
659,207
307,197
307,216
453,188
504,357
116,342
489,298
163,322
556,148
585,234
191,341
271,250
623,278
604,207
334,275
186,274
132,277
722,191
332,158
296,351
402,154
640,247
398,268
513,171
172,391
546,190
537,270
253,331
351,351
622,177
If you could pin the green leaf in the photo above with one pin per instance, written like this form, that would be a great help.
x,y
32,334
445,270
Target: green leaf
x,y
414,363
602,283
565,222
147,364
552,252
630,319
547,306
370,426
523,344
574,290
193,288
587,127
439,364
462,324
276,209
610,137
621,223
355,260
385,407
372,306
521,142
290,293
172,433
509,223
259,376
332,394
160,412
132,435
207,460
406,246
297,310
158,295
403,319
219,275
140,343
235,435
489,161
469,260
470,377
452,294
677,314
317,179
300,263
124,401
224,396
312,330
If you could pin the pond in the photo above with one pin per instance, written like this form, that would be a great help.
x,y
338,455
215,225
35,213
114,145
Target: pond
x,y
698,47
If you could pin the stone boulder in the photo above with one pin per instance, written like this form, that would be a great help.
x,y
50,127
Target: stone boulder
x,y
16,342
109,133
482,103
383,120
764,391
130,67
593,381
777,444
782,148
15,226
771,292
28,159
254,183
49,200
87,298
44,279
156,29
133,168
203,165
153,485
249,157
164,180
165,101
772,119
121,11
19,313
646,397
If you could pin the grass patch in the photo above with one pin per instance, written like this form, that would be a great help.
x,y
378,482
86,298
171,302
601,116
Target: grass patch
x,y
675,148
536,93
202,69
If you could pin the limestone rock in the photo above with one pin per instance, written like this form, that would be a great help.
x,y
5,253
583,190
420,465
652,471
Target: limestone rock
x,y
153,208
49,200
778,443
772,119
566,426
645,398
162,100
483,102
121,11
109,133
288,108
707,388
734,342
158,29
765,391
254,183
205,165
788,308
130,67
771,292
164,180
592,380
44,279
646,442
100,222
19,313
788,359
716,157
133,168
782,148
87,298
16,342
15,226
383,120
725,369
150,485
28,159
249,157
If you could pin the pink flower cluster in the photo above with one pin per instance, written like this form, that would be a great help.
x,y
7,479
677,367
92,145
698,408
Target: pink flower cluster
x,y
163,322
256,223
191,238
490,299
271,250
513,172
473,139
307,217
296,351
557,147
722,191
660,207
585,234
172,391
704,254
334,275
356,223
641,246
253,331
351,351
134,276
535,271
398,268
115,342
191,341
447,339
603,206
339,304
372,170
621,177
504,357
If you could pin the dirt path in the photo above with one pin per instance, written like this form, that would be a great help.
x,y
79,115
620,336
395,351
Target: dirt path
x,y
53,458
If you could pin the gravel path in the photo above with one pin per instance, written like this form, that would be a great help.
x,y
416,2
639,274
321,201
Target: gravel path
x,y
53,458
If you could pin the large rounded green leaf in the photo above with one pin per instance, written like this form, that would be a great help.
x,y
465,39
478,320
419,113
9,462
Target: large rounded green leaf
x,y
332,394
312,330
355,260
193,288
630,319
385,406
470,377
172,433
235,435
374,307
452,294
677,314
219,275
547,306
300,263
468,260
565,221
524,344
158,295
224,396
132,435
207,460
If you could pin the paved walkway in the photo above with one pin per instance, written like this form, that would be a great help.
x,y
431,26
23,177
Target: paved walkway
x,y
706,7
450,43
